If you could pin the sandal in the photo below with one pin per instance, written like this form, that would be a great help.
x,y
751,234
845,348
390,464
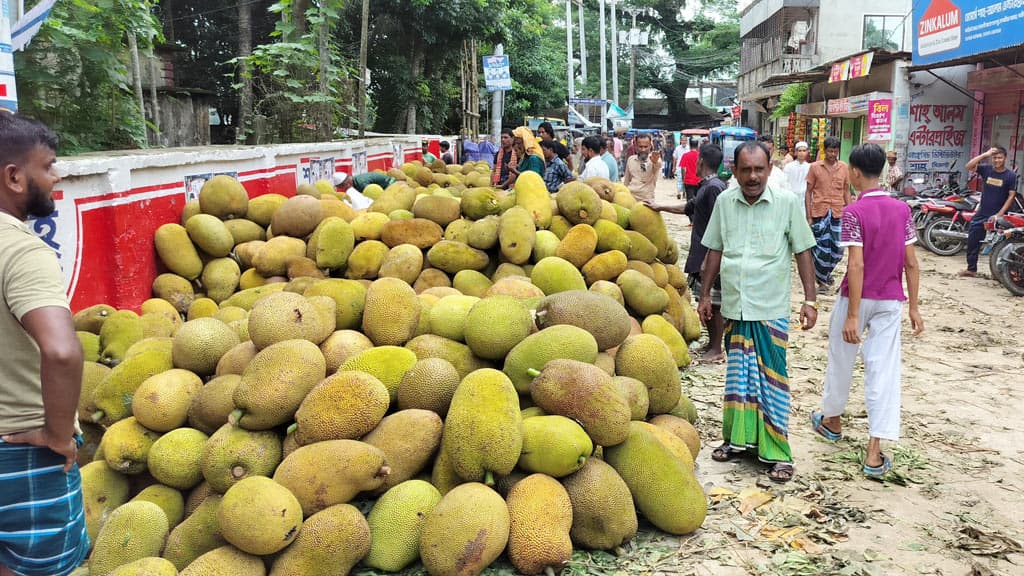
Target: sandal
x,y
818,423
725,453
781,472
877,472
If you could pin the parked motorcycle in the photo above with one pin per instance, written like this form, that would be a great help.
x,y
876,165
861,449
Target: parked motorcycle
x,y
947,223
1008,257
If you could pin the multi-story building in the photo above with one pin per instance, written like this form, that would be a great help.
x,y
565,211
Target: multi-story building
x,y
784,37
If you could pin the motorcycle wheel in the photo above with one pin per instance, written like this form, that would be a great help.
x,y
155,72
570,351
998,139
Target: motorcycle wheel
x,y
943,246
1010,267
994,256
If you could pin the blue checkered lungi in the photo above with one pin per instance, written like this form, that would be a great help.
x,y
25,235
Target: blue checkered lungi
x,y
42,521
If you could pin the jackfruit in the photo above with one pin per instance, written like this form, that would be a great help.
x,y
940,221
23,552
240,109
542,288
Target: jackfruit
x,y
210,235
666,493
112,398
651,225
243,231
213,403
554,445
609,289
553,275
161,402
483,233
175,459
457,353
342,345
177,252
224,197
331,472
603,516
276,381
261,208
233,454
658,326
430,278
225,561
578,203
369,226
458,230
465,532
495,325
428,385
285,316
404,262
259,502
540,515
681,428
472,283
438,209
534,352
419,232
150,566
640,248
479,202
642,295
578,245
648,359
91,319
596,313
134,531
103,491
297,217
396,524
518,287
201,308
174,289
685,409
331,243
330,543
516,235
349,297
606,266
346,405
407,454
236,359
167,498
387,363
120,330
198,534
484,426
155,326
586,394
199,344
92,374
392,312
452,257
545,245
448,316
635,393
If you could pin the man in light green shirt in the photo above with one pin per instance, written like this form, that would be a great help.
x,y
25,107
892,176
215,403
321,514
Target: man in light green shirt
x,y
755,230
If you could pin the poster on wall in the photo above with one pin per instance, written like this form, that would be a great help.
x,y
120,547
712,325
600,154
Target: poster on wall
x,y
312,169
194,182
359,164
880,120
939,137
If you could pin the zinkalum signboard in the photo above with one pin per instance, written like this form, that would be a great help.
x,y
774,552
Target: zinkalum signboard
x,y
946,29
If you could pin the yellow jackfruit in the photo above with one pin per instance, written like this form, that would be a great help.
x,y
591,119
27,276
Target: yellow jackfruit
x,y
199,344
540,515
429,385
224,197
396,523
465,532
392,312
276,381
603,516
177,252
330,543
346,405
175,459
586,394
553,275
484,426
648,359
331,472
495,325
233,454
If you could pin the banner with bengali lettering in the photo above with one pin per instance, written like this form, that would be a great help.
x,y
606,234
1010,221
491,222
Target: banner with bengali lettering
x,y
939,136
880,119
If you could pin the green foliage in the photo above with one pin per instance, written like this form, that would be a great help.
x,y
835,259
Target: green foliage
x,y
793,95
74,75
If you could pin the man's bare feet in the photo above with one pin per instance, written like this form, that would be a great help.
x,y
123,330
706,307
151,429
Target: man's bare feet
x,y
712,357
967,273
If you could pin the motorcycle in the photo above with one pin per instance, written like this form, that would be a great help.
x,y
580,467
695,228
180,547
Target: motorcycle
x,y
947,223
1008,258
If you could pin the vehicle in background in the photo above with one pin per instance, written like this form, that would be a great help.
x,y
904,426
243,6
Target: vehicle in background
x,y
728,138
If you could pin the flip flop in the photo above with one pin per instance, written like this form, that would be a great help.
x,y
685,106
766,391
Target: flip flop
x,y
781,472
818,424
725,453
877,472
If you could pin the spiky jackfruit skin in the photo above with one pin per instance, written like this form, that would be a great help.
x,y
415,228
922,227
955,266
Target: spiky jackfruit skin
x,y
666,493
536,350
603,516
553,275
667,333
554,445
276,381
386,363
175,459
407,454
392,312
261,503
233,454
540,515
396,524
465,532
103,490
532,194
134,531
586,394
330,543
635,393
457,353
648,359
596,313
483,429
225,561
428,385
151,566
331,472
495,325
345,405
286,316
198,534
126,446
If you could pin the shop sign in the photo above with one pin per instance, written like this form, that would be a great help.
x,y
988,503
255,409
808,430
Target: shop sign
x,y
851,105
880,119
858,66
945,30
938,136
840,72
812,109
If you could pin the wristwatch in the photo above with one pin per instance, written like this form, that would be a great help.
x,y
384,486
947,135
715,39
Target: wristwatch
x,y
811,303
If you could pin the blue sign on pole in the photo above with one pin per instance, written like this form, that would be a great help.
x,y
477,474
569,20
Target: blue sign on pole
x,y
949,29
496,73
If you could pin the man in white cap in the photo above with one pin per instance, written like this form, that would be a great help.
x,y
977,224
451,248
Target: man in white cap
x,y
343,183
796,172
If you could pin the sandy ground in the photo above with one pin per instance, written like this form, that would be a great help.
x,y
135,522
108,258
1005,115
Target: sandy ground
x,y
955,504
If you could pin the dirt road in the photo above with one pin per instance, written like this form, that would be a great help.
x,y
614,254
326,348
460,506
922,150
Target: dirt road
x,y
955,504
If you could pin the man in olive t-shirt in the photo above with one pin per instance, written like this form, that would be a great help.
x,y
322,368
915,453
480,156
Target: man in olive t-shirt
x,y
43,528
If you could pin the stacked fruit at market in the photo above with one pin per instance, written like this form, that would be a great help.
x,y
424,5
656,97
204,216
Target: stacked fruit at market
x,y
479,372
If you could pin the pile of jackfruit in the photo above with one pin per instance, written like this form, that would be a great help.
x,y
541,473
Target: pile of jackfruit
x,y
454,373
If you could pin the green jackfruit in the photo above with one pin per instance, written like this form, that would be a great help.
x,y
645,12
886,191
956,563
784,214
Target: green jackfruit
x,y
198,534
276,381
452,257
534,352
554,445
448,316
349,297
331,243
429,385
112,398
579,203
472,283
648,359
484,426
553,275
225,561
668,334
457,353
168,499
636,395
392,312
177,252
213,403
259,502
596,313
603,516
175,459
233,454
465,532
146,567
224,197
387,363
134,531
199,344
119,331
396,524
103,491
210,235
286,316
407,454
495,325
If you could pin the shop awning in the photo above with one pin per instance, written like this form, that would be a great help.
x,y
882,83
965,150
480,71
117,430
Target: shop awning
x,y
821,73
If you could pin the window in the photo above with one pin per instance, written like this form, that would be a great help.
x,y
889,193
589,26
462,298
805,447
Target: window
x,y
884,32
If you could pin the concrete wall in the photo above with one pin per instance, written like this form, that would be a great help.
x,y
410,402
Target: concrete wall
x,y
841,25
110,204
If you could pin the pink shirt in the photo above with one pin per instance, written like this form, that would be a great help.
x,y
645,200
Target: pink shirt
x,y
883,227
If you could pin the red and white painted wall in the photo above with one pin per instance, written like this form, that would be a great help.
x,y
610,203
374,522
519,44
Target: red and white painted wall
x,y
110,204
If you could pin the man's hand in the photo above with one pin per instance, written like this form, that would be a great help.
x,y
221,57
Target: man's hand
x,y
808,317
916,322
992,151
704,310
851,331
67,448
652,204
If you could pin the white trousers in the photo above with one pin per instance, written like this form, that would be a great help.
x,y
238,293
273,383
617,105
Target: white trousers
x,y
880,349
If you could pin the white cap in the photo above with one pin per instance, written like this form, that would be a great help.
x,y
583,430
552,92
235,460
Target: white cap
x,y
339,178
800,144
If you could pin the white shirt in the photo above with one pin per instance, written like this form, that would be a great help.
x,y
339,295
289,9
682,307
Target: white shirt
x,y
357,200
796,176
678,154
595,168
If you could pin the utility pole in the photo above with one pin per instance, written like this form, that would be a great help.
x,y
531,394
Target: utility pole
x,y
604,73
583,48
568,49
615,56
364,33
497,104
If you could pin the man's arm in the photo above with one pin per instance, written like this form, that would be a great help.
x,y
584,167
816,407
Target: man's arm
x,y
1006,205
972,164
60,355
855,286
670,208
805,266
628,177
809,193
712,265
913,272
